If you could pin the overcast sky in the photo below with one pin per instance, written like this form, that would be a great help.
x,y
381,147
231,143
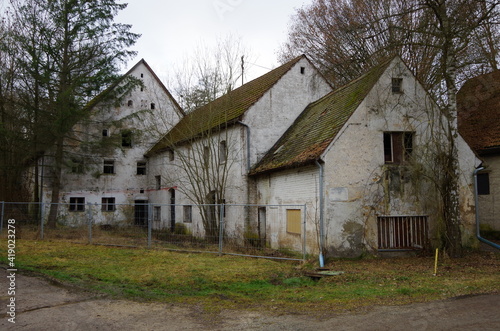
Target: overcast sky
x,y
171,30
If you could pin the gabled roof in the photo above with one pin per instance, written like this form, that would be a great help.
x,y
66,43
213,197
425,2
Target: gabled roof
x,y
313,131
104,94
223,111
479,113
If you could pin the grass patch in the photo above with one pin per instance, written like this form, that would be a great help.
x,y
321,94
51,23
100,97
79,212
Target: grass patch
x,y
218,282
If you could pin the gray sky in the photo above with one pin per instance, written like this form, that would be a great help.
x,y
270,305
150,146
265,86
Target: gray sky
x,y
172,29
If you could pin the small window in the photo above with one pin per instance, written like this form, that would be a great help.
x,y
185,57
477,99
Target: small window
x,y
142,75
293,221
398,147
206,155
158,182
483,183
157,213
105,132
302,70
153,105
127,138
188,214
108,204
76,204
130,103
77,166
171,155
109,167
222,152
397,85
141,168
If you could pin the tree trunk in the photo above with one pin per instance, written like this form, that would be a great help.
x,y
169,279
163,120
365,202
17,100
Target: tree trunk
x,y
56,184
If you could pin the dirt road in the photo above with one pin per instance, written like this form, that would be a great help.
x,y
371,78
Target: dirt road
x,y
42,305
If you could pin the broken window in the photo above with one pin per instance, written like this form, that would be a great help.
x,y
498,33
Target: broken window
x,y
108,204
127,138
109,167
77,166
397,85
76,204
158,182
141,168
293,221
483,183
398,147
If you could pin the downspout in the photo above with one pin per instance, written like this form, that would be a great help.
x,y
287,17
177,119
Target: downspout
x,y
247,212
321,212
478,232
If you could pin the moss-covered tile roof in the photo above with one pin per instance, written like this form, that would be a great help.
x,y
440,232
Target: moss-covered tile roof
x,y
317,126
479,113
223,111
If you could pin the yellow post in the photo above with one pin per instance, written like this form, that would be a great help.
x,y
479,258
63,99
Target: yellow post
x,y
436,262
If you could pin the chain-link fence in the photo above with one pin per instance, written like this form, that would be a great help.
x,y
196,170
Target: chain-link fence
x,y
272,231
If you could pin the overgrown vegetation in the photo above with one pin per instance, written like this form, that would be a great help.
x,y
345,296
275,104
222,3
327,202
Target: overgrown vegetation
x,y
235,282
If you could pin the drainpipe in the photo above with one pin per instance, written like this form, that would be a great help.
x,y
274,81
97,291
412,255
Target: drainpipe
x,y
478,232
247,212
321,212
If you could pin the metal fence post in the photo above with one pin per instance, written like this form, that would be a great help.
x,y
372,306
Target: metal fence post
x,y
150,211
1,217
221,227
89,222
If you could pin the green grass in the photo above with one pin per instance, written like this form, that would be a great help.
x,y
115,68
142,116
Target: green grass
x,y
217,282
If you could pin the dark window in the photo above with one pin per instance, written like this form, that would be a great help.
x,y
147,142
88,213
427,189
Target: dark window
x,y
206,155
302,70
141,168
397,85
398,147
483,184
76,204
104,132
171,155
153,106
127,138
157,213
109,167
222,152
130,103
158,182
108,204
77,166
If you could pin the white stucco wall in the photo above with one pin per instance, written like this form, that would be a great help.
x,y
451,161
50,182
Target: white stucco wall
x,y
489,205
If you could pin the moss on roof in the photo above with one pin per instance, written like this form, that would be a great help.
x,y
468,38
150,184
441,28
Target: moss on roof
x,y
317,126
479,112
223,111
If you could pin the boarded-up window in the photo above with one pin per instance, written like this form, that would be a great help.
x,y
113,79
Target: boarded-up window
x,y
293,221
402,232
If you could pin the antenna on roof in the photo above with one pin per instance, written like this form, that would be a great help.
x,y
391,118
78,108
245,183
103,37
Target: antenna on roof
x,y
242,67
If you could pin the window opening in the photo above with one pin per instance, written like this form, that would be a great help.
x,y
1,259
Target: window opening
x,y
108,204
109,167
76,204
141,168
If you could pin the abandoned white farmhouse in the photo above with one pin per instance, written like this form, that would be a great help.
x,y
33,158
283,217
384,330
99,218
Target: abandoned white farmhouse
x,y
355,161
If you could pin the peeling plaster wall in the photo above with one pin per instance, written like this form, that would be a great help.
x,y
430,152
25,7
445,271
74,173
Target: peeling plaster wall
x,y
125,185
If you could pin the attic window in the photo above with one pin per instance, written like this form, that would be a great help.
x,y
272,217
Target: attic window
x,y
142,75
130,103
398,147
397,85
152,105
302,70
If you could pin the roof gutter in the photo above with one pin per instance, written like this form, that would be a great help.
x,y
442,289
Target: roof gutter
x,y
478,232
321,211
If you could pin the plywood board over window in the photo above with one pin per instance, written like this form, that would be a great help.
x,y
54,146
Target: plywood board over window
x,y
293,221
